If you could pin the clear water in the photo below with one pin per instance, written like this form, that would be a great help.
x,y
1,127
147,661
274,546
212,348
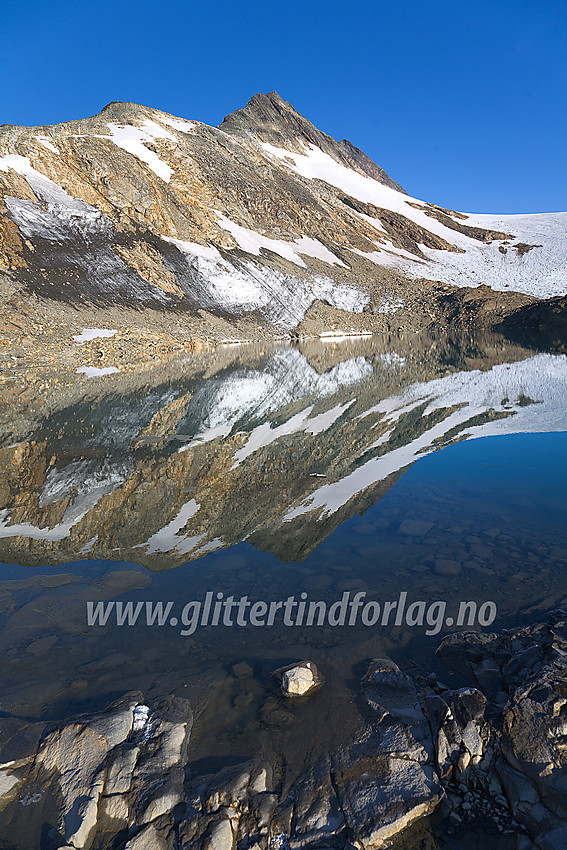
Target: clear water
x,y
262,473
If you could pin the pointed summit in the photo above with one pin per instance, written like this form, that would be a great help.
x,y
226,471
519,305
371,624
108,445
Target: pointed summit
x,y
271,119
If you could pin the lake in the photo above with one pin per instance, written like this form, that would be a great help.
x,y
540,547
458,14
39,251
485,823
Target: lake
x,y
332,500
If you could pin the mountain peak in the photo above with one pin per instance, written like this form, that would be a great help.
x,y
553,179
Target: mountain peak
x,y
271,119
123,111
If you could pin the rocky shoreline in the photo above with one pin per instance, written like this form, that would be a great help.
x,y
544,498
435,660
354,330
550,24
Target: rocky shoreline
x,y
39,334
421,764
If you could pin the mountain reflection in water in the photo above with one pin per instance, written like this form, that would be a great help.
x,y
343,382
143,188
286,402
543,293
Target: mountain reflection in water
x,y
277,446
245,468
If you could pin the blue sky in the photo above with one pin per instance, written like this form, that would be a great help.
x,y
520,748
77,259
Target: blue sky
x,y
463,103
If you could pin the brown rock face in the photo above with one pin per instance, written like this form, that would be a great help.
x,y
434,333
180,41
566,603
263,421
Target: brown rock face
x,y
135,208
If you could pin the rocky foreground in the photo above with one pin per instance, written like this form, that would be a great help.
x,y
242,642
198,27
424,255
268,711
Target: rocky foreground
x,y
422,766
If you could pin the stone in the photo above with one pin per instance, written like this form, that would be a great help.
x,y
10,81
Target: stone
x,y
148,839
157,781
390,692
480,551
120,769
114,807
10,780
299,679
77,753
242,670
384,776
317,815
415,527
554,840
229,787
447,567
221,836
459,731
382,794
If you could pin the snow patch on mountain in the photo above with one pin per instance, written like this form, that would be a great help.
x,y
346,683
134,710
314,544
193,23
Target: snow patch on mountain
x,y
315,164
252,242
33,532
179,124
45,189
247,287
540,271
47,143
92,333
135,141
56,222
389,256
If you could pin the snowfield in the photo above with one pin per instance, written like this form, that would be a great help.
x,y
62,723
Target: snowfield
x,y
541,272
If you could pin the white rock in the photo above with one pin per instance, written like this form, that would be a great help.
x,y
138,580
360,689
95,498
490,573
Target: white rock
x,y
299,680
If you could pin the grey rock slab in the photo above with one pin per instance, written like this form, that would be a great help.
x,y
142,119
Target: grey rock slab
x,y
228,788
317,815
148,839
114,808
157,781
380,795
120,769
77,755
220,837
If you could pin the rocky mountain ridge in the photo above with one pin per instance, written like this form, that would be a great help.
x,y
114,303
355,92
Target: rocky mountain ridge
x,y
247,227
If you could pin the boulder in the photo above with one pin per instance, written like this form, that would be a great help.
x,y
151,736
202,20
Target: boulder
x,y
297,680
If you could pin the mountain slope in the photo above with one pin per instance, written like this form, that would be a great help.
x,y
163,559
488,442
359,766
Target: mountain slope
x,y
260,218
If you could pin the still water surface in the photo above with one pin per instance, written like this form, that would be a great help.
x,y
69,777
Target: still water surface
x,y
434,469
